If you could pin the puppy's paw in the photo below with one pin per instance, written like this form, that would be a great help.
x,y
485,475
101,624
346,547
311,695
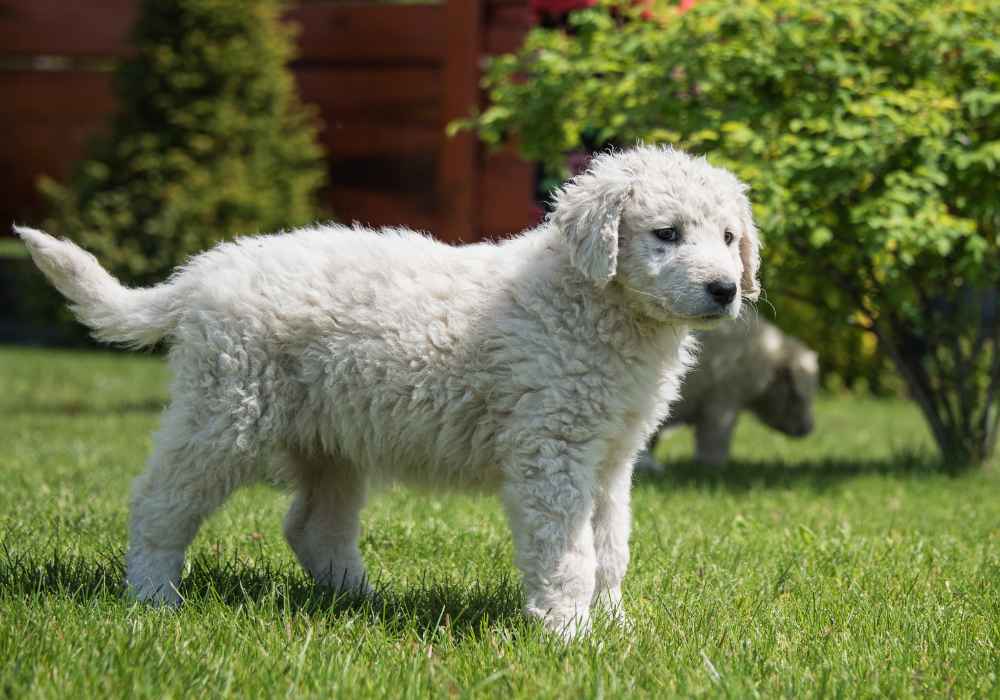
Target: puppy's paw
x,y
159,595
349,581
153,575
569,624
607,605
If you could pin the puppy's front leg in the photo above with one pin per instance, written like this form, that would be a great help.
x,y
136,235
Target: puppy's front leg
x,y
612,523
549,504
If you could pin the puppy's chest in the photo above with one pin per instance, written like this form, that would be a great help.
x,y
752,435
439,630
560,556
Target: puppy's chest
x,y
645,384
645,392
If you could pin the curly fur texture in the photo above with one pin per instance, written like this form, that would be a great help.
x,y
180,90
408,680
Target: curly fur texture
x,y
339,357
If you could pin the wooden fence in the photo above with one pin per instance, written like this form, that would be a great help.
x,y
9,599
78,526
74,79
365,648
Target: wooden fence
x,y
385,78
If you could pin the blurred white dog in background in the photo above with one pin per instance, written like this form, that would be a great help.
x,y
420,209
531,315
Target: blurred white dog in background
x,y
336,357
749,366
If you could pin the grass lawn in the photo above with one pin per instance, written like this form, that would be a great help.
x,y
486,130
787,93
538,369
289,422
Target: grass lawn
x,y
11,247
838,565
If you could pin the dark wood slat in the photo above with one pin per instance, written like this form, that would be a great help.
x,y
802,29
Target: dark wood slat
x,y
507,21
59,95
377,208
353,140
355,33
506,195
457,181
358,33
504,39
366,95
390,173
65,28
50,147
51,116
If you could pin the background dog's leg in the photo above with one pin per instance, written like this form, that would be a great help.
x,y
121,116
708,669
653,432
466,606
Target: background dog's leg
x,y
324,523
549,505
714,434
188,477
612,523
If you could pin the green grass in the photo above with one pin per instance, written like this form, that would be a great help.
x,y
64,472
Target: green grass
x,y
11,247
839,565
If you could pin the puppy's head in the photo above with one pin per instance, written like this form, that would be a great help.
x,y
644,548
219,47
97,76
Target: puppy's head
x,y
674,232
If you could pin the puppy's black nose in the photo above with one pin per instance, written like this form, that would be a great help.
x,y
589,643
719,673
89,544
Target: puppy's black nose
x,y
722,292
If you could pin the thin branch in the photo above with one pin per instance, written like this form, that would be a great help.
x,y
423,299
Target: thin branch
x,y
908,362
988,420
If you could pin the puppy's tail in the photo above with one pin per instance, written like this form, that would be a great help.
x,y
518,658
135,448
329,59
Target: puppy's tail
x,y
134,317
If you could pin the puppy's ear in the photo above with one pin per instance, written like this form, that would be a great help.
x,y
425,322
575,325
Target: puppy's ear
x,y
749,254
805,372
588,211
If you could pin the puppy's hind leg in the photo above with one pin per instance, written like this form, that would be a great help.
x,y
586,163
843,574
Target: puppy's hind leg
x,y
324,523
189,476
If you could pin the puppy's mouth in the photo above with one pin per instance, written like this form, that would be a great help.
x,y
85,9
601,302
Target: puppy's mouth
x,y
701,322
704,320
707,322
662,305
711,317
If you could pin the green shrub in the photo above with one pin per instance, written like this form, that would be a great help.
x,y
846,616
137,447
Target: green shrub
x,y
870,132
210,141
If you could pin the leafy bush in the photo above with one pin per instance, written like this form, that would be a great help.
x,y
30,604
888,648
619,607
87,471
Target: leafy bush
x,y
870,132
210,141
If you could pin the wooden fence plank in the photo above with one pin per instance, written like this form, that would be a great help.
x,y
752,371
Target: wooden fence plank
x,y
373,95
334,32
403,140
49,148
60,95
506,195
378,208
507,21
50,117
457,165
387,172
66,27
369,34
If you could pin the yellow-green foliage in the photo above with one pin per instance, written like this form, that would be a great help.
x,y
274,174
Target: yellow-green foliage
x,y
870,132
210,141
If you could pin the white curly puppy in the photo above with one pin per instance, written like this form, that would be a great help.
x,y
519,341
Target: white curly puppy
x,y
335,357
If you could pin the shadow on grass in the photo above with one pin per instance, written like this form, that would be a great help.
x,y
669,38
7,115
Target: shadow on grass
x,y
820,475
458,609
83,408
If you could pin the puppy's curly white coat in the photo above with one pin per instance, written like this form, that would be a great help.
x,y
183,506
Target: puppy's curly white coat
x,y
337,357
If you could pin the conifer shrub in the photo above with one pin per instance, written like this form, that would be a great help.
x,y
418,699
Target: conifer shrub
x,y
210,141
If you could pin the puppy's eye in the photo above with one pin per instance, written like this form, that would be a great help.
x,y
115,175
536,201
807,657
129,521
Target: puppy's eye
x,y
670,234
728,238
